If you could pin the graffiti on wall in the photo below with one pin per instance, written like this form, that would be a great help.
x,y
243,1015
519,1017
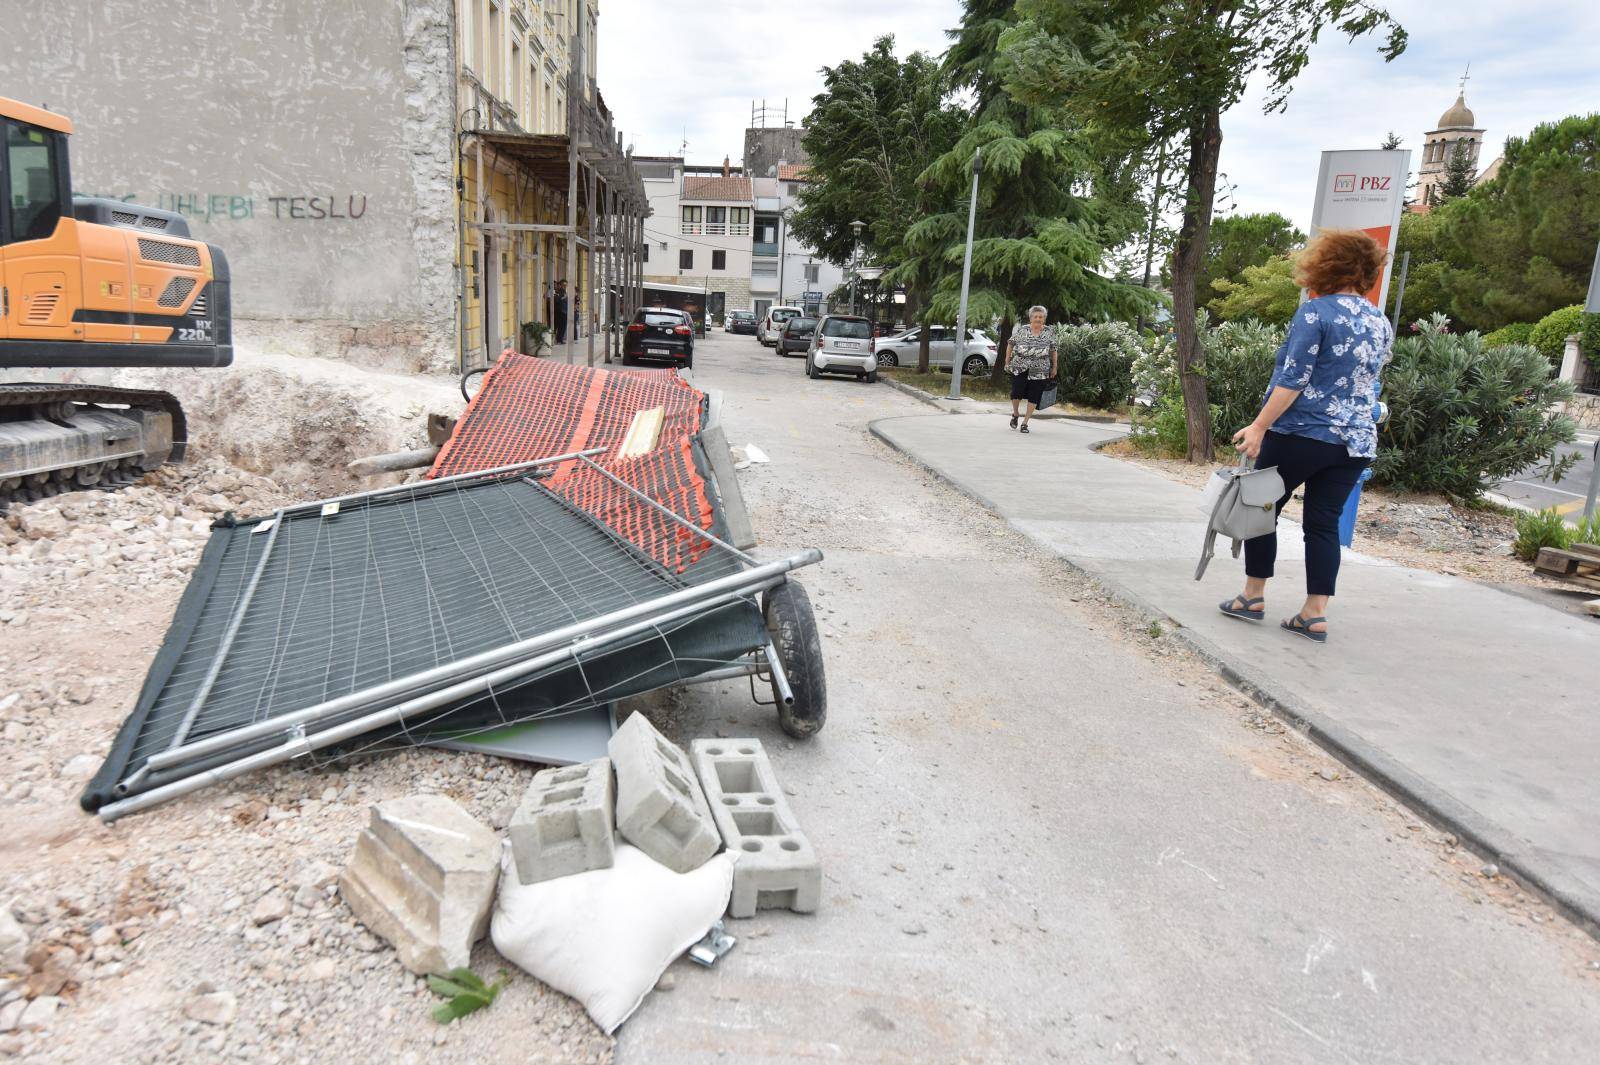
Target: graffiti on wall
x,y
227,206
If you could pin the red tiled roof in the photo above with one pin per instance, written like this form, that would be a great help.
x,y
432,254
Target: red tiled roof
x,y
733,187
794,171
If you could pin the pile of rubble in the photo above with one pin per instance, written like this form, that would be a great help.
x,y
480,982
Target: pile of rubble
x,y
1435,526
583,844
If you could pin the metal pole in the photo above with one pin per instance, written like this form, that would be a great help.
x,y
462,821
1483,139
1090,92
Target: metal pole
x,y
966,280
578,633
1594,483
1400,291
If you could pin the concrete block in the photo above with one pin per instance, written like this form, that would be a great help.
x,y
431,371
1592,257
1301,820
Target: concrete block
x,y
423,877
660,807
565,823
777,868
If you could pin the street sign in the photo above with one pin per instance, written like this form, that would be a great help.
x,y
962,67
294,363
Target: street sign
x,y
1365,190
811,297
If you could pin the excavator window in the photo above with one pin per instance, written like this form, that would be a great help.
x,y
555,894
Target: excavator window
x,y
33,182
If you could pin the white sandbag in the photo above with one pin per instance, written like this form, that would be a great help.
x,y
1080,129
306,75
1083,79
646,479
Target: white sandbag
x,y
606,936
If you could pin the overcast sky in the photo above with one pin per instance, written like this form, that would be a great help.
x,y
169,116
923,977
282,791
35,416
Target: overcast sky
x,y
676,70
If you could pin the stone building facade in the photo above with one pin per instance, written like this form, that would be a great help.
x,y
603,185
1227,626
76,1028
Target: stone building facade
x,y
1457,128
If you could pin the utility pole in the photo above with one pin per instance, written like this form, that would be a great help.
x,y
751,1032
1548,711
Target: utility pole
x,y
966,280
855,263
1400,291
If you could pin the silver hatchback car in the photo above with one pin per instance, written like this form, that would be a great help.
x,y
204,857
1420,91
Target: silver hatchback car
x,y
842,343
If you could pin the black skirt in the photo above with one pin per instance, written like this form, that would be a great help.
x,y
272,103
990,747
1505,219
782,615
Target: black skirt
x,y
1023,388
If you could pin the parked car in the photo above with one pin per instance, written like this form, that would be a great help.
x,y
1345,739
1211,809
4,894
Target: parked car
x,y
741,322
772,324
842,343
796,336
902,349
659,333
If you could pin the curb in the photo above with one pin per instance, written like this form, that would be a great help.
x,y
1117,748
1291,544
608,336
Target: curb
x,y
932,400
1573,899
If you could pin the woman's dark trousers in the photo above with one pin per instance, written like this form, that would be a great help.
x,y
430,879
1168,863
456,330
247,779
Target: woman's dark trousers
x,y
1328,473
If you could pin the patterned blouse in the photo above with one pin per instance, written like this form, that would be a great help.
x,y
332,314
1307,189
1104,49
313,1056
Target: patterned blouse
x,y
1031,354
1334,354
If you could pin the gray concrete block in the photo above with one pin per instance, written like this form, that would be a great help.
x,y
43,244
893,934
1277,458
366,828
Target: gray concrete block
x,y
777,867
565,823
660,807
423,877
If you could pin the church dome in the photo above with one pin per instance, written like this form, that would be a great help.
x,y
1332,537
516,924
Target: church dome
x,y
1459,116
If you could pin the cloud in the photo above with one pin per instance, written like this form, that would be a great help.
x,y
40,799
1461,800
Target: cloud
x,y
676,70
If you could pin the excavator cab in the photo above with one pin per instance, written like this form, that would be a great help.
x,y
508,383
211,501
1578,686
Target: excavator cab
x,y
93,283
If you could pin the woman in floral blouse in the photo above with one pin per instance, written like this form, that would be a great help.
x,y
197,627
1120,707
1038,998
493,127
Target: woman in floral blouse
x,y
1031,361
1318,425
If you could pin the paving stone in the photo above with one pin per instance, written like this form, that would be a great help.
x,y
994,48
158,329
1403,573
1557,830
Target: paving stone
x,y
777,867
566,822
423,877
660,807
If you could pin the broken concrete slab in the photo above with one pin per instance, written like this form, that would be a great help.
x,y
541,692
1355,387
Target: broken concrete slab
x,y
660,807
777,868
423,877
566,822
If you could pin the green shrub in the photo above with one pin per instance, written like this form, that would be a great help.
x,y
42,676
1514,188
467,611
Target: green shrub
x,y
1588,530
1589,339
1163,428
1464,416
1238,364
1550,335
1540,529
1515,333
1096,363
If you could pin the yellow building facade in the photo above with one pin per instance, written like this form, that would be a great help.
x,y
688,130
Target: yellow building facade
x,y
518,62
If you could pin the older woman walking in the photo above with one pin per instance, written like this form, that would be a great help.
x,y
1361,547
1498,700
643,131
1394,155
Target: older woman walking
x,y
1031,361
1318,425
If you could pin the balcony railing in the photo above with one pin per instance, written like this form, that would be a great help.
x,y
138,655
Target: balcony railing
x,y
714,229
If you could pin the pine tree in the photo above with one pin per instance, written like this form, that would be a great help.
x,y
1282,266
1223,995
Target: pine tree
x,y
1458,172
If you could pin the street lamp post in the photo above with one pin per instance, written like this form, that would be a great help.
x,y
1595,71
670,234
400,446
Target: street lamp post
x,y
855,264
966,279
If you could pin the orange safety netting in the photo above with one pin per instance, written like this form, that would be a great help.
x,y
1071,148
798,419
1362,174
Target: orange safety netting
x,y
532,408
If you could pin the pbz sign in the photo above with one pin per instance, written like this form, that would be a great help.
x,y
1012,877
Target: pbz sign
x,y
1353,183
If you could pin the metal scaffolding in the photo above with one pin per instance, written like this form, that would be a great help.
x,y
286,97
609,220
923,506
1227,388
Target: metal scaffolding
x,y
603,204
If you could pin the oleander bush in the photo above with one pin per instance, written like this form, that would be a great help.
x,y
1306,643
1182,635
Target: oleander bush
x,y
1465,416
1096,364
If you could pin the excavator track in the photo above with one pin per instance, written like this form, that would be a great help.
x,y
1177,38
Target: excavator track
x,y
57,438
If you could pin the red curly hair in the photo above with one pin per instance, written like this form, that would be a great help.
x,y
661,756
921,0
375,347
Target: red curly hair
x,y
1339,259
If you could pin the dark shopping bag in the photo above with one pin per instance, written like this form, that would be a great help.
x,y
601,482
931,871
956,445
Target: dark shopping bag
x,y
1049,397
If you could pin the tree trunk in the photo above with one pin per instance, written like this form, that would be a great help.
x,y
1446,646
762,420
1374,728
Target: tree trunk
x,y
1205,145
917,312
997,373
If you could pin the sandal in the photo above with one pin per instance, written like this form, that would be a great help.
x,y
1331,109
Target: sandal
x,y
1013,421
1242,608
1024,428
1302,626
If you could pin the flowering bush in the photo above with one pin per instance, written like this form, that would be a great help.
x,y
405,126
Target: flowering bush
x,y
1096,363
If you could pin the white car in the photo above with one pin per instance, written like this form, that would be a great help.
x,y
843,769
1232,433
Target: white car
x,y
843,343
902,348
773,321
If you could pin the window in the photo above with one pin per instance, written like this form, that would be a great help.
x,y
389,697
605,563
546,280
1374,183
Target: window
x,y
719,260
716,214
35,192
515,98
767,233
849,328
685,259
812,271
474,42
491,66
691,221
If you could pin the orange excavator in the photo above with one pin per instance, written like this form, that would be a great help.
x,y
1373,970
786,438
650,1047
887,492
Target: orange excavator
x,y
93,283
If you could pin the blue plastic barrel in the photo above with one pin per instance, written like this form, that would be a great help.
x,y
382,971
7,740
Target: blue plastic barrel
x,y
1347,520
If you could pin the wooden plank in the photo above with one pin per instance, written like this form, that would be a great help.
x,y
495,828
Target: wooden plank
x,y
1554,561
643,433
1588,551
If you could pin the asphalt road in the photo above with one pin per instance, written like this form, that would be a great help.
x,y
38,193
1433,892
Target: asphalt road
x,y
1531,488
1048,833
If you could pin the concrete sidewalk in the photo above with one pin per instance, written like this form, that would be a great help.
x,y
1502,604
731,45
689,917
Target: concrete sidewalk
x,y
1480,709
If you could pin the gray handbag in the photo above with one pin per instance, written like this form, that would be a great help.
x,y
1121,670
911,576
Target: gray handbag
x,y
1244,505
